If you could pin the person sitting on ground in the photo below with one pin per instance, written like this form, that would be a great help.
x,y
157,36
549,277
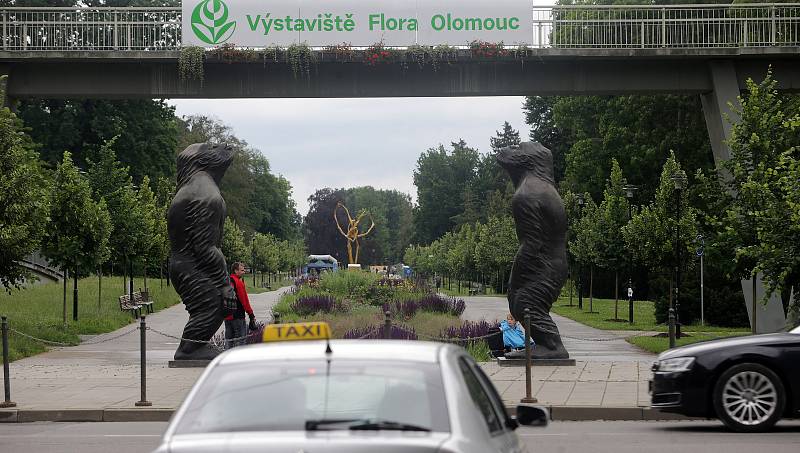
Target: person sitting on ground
x,y
513,334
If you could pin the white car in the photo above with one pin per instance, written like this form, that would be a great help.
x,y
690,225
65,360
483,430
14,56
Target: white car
x,y
346,396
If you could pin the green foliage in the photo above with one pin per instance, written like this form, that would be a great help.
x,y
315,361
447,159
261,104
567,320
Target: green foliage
x,y
300,58
390,209
79,228
190,63
761,218
496,245
145,130
24,197
651,234
479,350
266,252
612,216
441,178
234,247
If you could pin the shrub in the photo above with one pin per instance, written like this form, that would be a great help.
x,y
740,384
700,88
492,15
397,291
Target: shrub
x,y
405,308
314,304
468,330
442,304
376,333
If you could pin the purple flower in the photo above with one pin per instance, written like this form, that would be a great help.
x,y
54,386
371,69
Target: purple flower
x,y
314,304
377,333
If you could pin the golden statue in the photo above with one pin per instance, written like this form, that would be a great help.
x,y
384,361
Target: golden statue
x,y
352,233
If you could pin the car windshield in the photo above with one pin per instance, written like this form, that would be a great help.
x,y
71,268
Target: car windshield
x,y
299,395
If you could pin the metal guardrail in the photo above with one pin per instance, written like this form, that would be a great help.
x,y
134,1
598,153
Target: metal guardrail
x,y
575,27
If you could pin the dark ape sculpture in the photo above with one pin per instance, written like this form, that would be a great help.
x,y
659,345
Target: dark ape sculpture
x,y
197,267
540,266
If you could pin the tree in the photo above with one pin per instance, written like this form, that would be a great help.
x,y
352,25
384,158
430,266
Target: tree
x,y
495,249
110,181
762,198
508,137
233,245
441,178
79,228
585,245
146,131
651,234
266,251
612,217
24,199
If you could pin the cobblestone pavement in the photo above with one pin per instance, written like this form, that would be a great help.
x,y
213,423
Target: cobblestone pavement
x,y
106,375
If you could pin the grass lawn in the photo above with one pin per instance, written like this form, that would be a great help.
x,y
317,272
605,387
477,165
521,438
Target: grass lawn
x,y
257,289
643,316
661,344
38,311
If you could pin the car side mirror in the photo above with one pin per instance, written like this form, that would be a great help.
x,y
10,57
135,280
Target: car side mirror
x,y
532,416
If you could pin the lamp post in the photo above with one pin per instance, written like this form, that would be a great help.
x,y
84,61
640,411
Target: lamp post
x,y
629,191
581,201
679,180
700,251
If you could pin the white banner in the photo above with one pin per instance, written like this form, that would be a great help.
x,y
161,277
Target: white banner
x,y
263,23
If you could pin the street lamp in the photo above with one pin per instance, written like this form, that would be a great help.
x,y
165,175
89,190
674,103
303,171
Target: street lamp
x,y
679,181
581,201
629,191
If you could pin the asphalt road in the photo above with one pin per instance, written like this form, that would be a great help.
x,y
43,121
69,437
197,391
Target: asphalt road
x,y
568,437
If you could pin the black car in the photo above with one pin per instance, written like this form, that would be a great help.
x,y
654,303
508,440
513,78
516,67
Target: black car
x,y
747,382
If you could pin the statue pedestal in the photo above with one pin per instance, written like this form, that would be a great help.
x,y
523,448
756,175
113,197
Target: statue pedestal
x,y
502,361
188,363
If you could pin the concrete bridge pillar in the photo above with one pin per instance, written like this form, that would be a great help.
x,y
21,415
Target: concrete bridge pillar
x,y
716,106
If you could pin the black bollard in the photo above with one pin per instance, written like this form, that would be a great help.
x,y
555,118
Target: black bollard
x,y
143,347
6,377
276,317
671,328
387,325
528,397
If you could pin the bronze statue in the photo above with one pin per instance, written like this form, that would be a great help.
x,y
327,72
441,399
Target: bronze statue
x,y
540,266
352,235
197,267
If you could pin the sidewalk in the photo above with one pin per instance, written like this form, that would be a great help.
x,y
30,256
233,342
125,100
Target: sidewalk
x,y
100,380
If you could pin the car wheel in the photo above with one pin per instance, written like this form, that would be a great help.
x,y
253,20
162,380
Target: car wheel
x,y
749,398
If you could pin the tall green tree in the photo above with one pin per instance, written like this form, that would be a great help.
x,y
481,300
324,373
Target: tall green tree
x,y
24,199
612,217
585,245
653,232
234,246
441,177
495,249
764,153
79,227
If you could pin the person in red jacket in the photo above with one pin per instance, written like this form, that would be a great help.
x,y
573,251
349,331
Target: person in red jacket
x,y
235,325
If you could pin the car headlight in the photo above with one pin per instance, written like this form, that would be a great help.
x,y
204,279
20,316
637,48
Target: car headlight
x,y
675,365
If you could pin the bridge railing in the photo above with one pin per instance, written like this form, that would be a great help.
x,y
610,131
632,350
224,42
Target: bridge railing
x,y
674,26
579,27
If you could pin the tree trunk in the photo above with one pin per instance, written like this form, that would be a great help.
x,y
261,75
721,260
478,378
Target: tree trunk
x,y
161,274
99,286
75,294
616,293
144,270
64,311
591,287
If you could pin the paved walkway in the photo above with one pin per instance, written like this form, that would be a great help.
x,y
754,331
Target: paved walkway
x,y
103,373
584,343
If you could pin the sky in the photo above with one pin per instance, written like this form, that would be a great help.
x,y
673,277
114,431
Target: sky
x,y
317,143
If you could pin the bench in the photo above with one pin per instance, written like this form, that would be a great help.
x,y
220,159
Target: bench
x,y
125,304
477,290
143,298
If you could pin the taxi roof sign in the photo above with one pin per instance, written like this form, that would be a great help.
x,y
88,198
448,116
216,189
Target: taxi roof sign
x,y
296,331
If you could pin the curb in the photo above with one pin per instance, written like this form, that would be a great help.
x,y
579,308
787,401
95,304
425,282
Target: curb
x,y
557,413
